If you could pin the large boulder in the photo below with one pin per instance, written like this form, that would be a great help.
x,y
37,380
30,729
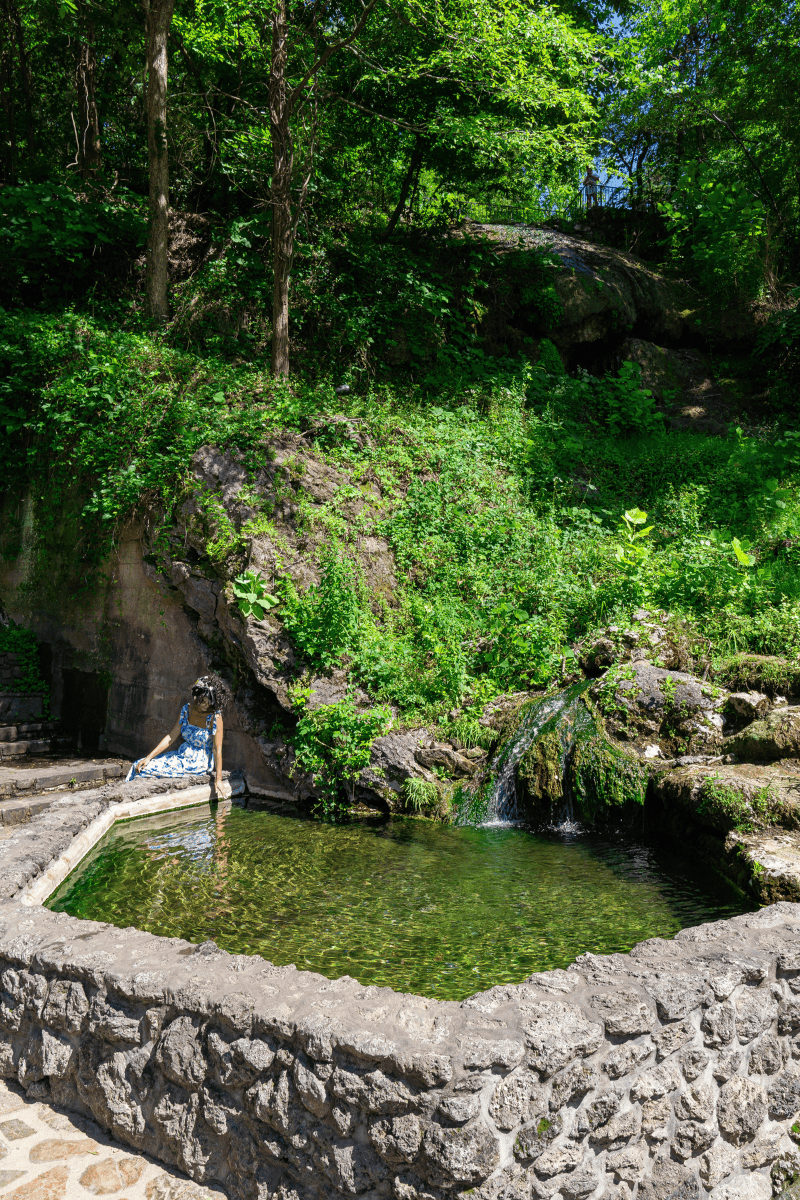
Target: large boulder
x,y
777,735
650,636
741,818
661,712
605,295
761,672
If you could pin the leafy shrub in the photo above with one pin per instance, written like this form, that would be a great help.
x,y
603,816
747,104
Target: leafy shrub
x,y
53,241
469,731
616,404
717,227
252,596
332,743
622,404
549,360
420,795
325,620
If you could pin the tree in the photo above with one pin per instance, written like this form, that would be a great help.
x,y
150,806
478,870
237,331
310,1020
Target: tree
x,y
15,35
89,156
706,112
159,18
284,103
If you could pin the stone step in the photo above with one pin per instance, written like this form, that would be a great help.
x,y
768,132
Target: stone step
x,y
32,729
20,749
22,780
23,747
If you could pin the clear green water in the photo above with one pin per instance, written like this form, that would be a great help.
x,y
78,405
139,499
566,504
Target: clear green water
x,y
417,906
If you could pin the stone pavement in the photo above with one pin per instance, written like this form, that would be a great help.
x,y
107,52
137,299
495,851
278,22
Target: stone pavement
x,y
49,1154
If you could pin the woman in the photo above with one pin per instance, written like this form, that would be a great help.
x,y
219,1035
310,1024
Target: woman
x,y
200,727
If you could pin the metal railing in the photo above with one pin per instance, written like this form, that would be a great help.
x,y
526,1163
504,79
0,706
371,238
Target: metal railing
x,y
601,195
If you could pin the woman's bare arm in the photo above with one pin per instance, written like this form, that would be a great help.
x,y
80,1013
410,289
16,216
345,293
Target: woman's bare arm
x,y
218,751
163,745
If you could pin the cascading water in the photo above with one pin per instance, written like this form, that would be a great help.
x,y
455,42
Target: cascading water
x,y
502,807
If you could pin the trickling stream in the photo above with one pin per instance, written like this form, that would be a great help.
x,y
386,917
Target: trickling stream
x,y
560,712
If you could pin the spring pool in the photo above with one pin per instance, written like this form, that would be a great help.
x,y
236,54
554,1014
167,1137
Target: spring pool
x,y
438,910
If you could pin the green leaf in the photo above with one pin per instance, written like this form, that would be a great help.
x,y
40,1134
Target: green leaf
x,y
745,559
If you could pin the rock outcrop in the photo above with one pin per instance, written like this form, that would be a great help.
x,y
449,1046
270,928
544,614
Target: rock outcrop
x,y
717,771
168,614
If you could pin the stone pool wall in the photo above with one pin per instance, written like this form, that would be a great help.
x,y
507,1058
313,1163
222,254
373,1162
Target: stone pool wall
x,y
672,1070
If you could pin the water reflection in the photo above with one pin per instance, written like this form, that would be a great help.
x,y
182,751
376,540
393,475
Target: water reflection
x,y
410,904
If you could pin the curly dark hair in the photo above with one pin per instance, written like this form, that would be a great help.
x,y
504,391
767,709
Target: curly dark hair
x,y
212,688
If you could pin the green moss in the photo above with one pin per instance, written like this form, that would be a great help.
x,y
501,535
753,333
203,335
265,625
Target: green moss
x,y
543,1126
602,775
573,756
471,807
763,673
540,769
733,808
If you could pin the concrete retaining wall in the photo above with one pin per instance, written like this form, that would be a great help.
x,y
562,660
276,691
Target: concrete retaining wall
x,y
669,1072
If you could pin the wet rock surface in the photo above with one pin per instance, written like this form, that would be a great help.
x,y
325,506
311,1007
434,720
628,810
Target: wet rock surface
x,y
671,1069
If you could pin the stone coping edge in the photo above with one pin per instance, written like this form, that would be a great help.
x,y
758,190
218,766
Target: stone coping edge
x,y
666,1074
58,870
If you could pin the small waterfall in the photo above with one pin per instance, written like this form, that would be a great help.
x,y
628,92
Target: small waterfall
x,y
502,806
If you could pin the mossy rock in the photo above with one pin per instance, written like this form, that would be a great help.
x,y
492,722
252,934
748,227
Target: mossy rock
x,y
775,736
574,759
601,775
762,673
540,770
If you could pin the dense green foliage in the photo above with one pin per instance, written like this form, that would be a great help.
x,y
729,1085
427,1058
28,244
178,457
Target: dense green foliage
x,y
332,745
516,516
526,499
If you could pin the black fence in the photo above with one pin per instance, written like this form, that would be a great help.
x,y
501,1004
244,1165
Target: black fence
x,y
600,196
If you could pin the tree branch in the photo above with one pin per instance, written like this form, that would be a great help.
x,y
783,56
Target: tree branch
x,y
726,125
331,50
419,129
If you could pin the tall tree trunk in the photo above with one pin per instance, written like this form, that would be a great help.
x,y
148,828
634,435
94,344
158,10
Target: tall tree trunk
x,y
414,165
25,73
159,19
89,151
7,84
282,162
282,104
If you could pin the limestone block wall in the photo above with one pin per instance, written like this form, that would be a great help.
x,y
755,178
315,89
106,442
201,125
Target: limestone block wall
x,y
671,1071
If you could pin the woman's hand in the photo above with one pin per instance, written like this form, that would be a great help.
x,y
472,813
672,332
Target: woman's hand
x,y
223,788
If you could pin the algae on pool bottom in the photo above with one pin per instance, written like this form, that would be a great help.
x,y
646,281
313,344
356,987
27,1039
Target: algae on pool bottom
x,y
409,904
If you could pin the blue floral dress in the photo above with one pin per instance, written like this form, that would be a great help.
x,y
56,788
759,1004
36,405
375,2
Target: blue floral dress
x,y
194,756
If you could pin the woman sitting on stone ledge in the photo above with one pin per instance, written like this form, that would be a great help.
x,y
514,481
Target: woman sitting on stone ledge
x,y
200,727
